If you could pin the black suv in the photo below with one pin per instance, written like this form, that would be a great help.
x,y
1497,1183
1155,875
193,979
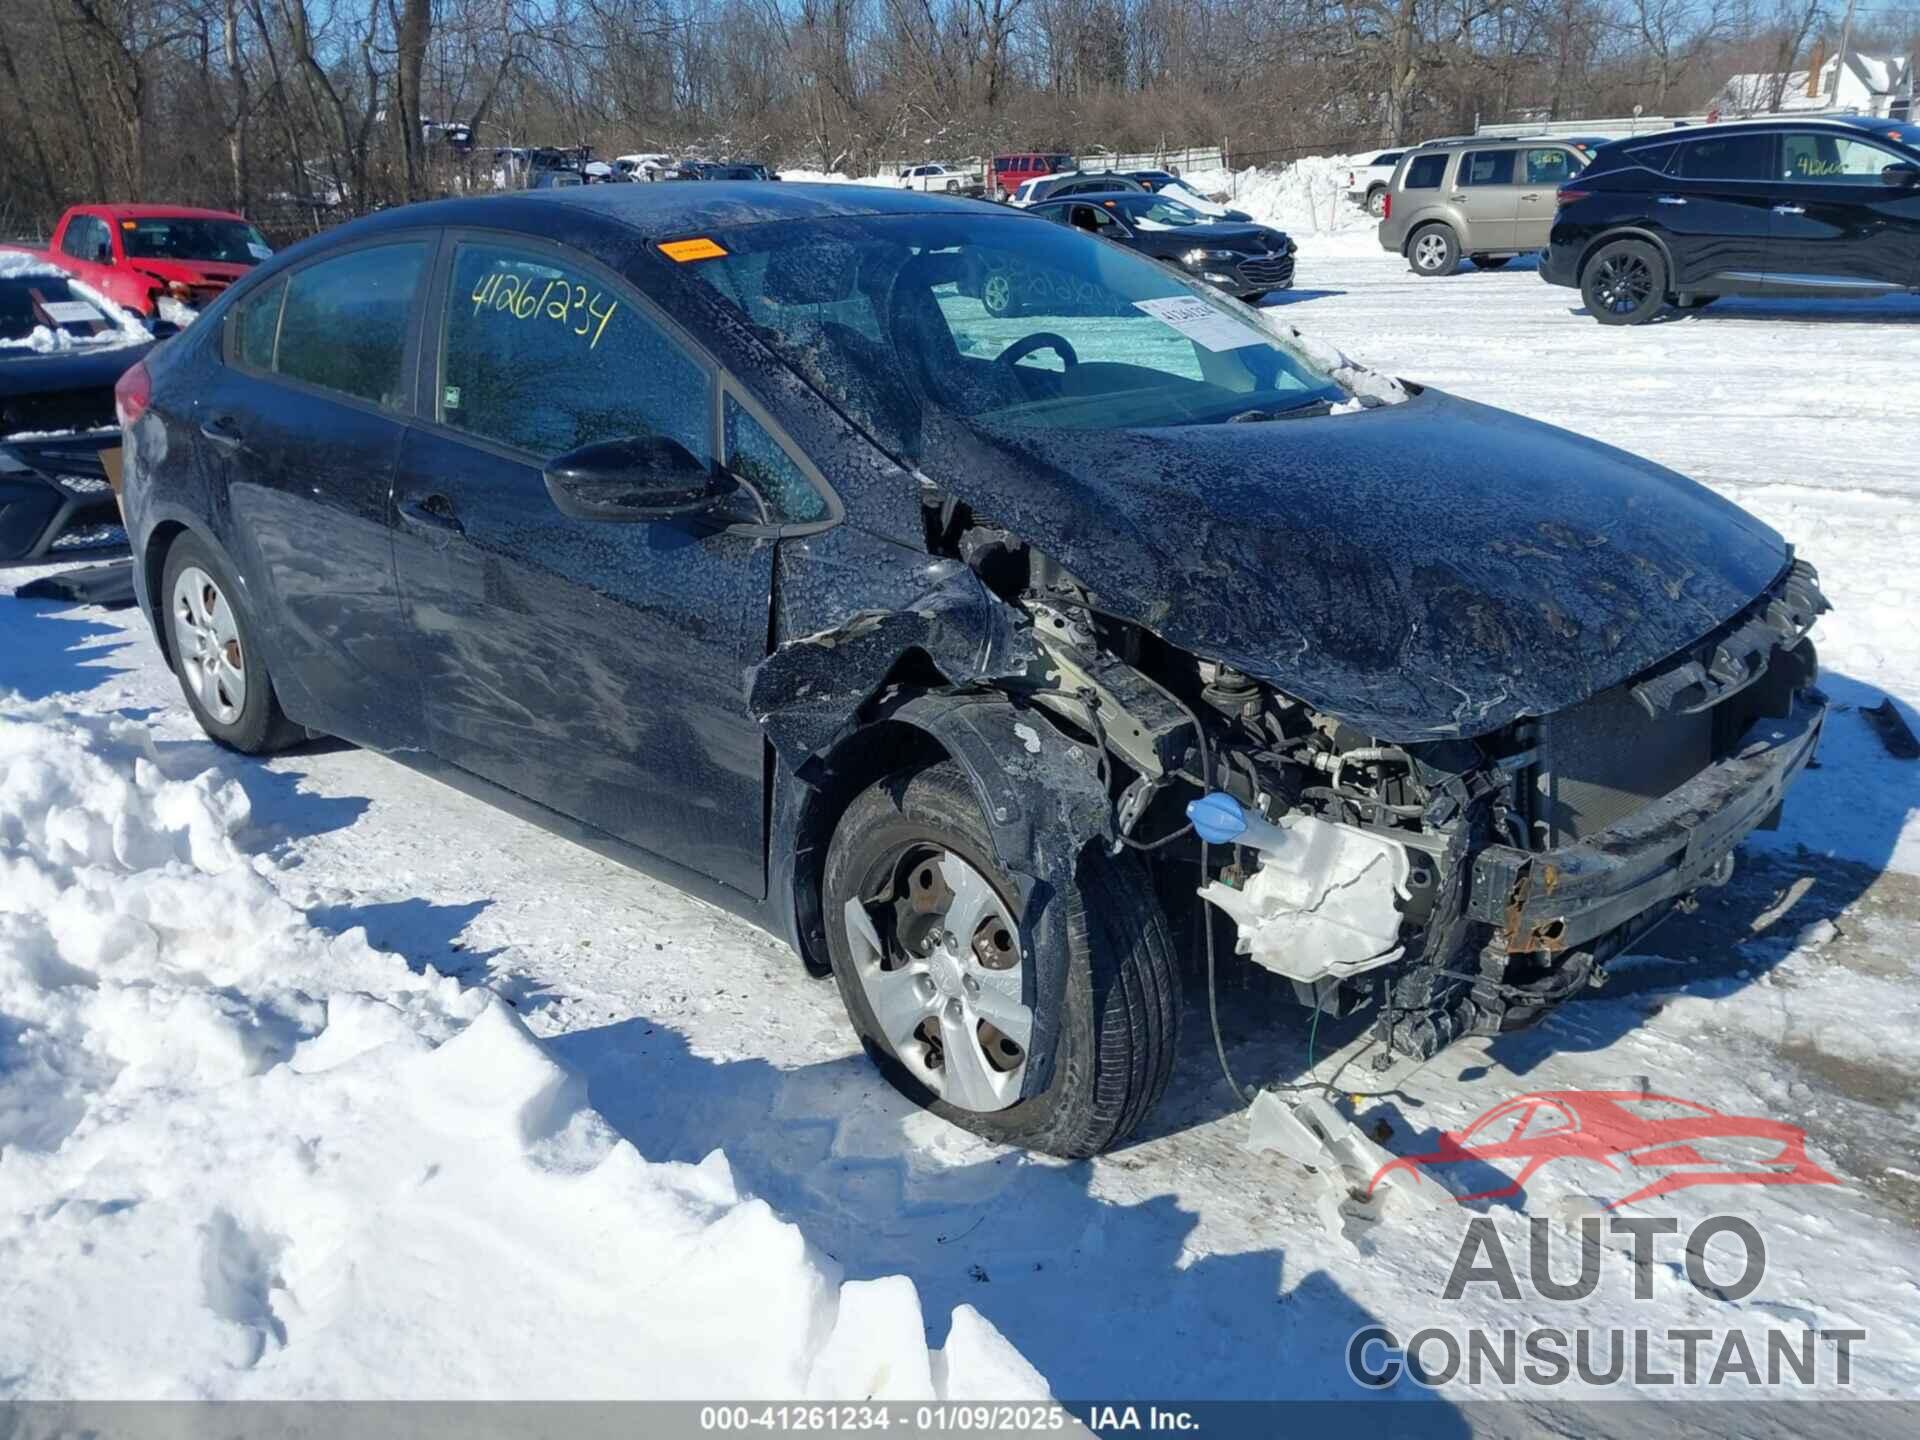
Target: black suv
x,y
1827,207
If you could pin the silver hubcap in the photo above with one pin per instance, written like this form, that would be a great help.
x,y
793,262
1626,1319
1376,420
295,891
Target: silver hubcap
x,y
946,985
207,641
998,292
1430,252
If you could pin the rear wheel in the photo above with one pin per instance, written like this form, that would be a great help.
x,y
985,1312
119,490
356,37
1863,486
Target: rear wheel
x,y
1625,283
1433,251
1489,262
926,950
219,666
1377,201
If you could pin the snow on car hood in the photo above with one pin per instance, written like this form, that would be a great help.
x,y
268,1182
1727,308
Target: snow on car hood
x,y
1421,570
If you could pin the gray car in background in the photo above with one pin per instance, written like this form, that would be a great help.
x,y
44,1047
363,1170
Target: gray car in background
x,y
1488,200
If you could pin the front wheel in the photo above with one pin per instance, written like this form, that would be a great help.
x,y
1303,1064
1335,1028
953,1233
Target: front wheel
x,y
1434,251
924,939
1625,283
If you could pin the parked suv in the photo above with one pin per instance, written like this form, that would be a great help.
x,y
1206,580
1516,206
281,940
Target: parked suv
x,y
1011,171
1489,200
1804,207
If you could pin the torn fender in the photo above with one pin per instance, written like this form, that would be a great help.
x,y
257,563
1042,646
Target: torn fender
x,y
1044,802
811,687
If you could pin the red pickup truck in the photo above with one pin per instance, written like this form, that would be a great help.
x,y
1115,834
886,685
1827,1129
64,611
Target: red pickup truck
x,y
138,255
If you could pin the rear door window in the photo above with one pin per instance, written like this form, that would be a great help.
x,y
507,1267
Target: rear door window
x,y
344,324
1425,172
1486,167
256,327
1728,157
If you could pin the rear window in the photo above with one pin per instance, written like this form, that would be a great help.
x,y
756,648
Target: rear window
x,y
35,302
1728,157
1425,172
1652,157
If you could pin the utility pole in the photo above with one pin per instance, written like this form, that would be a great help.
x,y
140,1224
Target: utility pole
x,y
1840,61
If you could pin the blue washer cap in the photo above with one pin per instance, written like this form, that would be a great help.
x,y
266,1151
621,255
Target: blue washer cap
x,y
1217,817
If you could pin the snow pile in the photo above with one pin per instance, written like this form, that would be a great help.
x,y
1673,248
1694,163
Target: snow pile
x,y
1307,198
241,1156
44,339
177,312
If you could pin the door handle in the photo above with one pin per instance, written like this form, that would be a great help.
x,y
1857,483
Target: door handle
x,y
1789,209
1457,199
431,512
220,430
1669,200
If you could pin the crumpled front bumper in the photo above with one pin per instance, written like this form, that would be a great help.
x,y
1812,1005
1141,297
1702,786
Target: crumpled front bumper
x,y
55,499
1568,898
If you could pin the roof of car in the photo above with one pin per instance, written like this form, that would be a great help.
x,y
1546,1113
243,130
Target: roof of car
x,y
161,212
653,212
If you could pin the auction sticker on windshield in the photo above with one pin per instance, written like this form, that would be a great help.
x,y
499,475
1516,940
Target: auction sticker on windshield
x,y
1201,323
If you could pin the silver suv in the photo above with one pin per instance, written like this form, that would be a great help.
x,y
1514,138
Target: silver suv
x,y
1489,200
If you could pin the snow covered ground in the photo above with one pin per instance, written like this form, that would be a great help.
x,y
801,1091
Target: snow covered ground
x,y
239,1105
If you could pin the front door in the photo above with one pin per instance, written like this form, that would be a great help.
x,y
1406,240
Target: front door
x,y
1543,169
1837,221
1485,191
299,429
1716,221
595,668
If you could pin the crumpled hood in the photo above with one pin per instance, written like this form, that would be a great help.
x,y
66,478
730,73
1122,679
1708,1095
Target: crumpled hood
x,y
190,272
1422,570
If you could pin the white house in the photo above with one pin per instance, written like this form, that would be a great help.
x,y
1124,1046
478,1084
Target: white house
x,y
1877,85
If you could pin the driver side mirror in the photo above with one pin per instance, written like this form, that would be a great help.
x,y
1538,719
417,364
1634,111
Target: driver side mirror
x,y
635,478
1902,173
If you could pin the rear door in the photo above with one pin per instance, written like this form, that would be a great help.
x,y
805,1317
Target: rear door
x,y
1836,220
595,668
1541,171
1486,191
1716,216
301,426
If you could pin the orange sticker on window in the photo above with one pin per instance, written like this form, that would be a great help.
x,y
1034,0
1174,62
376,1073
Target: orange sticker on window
x,y
129,224
684,250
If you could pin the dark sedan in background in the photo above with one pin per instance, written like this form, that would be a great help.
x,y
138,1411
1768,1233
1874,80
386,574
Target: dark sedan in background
x,y
1245,260
62,347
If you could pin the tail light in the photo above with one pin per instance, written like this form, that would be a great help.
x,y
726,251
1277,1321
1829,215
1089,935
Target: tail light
x,y
1567,197
132,394
1386,206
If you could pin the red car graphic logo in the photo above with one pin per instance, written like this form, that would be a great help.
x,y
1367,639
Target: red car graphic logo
x,y
1673,1144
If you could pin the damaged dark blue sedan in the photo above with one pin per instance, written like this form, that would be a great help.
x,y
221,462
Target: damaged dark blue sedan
x,y
724,529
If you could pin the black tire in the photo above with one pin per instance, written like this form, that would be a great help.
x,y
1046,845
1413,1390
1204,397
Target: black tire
x,y
1624,283
261,726
1489,262
1433,250
1121,1029
1377,201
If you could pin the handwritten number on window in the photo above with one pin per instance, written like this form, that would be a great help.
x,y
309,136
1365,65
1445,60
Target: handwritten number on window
x,y
562,301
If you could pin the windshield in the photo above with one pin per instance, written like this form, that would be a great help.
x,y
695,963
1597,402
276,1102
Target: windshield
x,y
1162,214
46,312
1004,322
228,242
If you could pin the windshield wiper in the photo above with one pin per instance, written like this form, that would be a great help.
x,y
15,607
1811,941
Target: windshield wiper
x,y
1285,412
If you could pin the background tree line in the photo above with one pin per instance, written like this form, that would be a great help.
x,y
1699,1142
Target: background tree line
x,y
309,108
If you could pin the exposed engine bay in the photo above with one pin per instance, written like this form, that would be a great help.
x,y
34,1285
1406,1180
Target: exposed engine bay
x,y
1454,886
